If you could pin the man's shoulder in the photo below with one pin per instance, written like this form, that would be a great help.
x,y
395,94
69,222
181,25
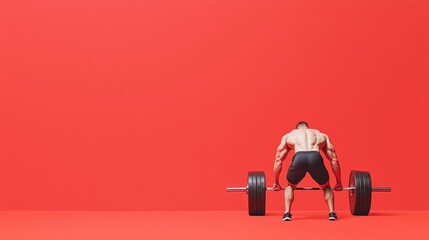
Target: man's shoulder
x,y
316,131
291,132
321,133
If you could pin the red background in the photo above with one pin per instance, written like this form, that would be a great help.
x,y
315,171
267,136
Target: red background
x,y
159,105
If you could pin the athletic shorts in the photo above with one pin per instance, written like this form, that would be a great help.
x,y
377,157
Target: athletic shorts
x,y
307,161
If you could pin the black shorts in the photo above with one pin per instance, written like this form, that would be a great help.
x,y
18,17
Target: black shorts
x,y
307,161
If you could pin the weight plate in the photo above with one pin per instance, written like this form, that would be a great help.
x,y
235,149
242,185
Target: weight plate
x,y
256,193
368,193
352,195
360,197
260,181
251,194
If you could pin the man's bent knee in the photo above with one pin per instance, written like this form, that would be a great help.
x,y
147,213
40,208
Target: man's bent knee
x,y
293,186
326,185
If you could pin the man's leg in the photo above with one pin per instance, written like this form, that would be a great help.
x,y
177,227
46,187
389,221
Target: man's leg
x,y
319,173
289,197
295,174
329,196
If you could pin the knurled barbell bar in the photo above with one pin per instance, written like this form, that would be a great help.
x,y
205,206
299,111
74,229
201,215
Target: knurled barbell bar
x,y
360,191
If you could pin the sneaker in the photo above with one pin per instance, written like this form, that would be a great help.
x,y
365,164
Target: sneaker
x,y
333,216
287,217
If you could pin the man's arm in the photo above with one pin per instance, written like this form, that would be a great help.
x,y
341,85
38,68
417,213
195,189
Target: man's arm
x,y
282,151
330,153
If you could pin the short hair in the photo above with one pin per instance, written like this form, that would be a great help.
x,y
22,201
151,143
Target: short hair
x,y
302,123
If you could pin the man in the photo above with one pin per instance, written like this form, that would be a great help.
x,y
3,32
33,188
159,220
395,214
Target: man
x,y
307,143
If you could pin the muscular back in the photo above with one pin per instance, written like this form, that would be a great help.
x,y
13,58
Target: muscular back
x,y
306,140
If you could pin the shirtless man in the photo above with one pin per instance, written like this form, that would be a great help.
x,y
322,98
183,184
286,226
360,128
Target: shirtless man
x,y
307,143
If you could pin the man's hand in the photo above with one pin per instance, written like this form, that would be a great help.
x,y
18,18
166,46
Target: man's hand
x,y
277,187
338,187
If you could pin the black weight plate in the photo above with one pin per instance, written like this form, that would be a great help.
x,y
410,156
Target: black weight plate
x,y
352,195
368,193
256,193
260,181
251,193
355,196
360,197
360,193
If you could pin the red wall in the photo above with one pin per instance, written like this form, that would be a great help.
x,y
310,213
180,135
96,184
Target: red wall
x,y
159,105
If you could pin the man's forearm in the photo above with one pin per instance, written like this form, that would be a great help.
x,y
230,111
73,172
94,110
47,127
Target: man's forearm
x,y
336,169
277,170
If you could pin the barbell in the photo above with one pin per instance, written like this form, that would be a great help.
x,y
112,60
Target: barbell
x,y
360,192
